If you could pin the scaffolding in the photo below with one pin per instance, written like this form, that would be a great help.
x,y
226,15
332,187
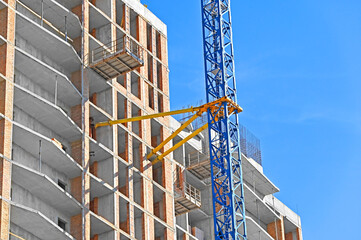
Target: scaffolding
x,y
117,57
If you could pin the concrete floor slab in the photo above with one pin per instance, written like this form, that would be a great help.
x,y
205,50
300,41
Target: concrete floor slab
x,y
69,4
2,39
98,187
51,154
47,114
46,76
98,151
55,47
256,232
98,225
256,178
45,188
292,220
257,207
2,4
55,13
37,224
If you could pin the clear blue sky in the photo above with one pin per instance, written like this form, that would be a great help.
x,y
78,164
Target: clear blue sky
x,y
298,69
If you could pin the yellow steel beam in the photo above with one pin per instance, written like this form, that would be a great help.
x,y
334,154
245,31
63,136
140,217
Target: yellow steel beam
x,y
233,107
159,158
184,125
139,118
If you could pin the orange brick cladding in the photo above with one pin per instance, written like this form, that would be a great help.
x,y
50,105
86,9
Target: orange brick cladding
x,y
276,229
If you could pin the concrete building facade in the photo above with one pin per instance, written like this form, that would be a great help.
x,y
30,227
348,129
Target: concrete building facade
x,y
67,65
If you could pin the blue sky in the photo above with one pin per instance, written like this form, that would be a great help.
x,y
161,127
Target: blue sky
x,y
298,67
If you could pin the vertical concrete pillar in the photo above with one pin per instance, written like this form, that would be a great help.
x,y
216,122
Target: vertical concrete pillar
x,y
154,68
7,31
276,229
115,130
80,224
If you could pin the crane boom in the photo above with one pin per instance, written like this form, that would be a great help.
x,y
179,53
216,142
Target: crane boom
x,y
224,143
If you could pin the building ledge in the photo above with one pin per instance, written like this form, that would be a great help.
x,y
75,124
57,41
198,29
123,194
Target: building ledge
x,y
47,77
253,176
2,4
99,188
98,151
58,49
48,114
99,225
37,223
55,13
2,39
257,207
292,221
255,231
45,188
51,153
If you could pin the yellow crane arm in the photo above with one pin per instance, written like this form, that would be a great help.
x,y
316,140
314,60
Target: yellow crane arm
x,y
190,136
212,106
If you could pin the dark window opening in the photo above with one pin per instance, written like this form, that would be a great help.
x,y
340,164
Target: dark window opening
x,y
61,224
62,184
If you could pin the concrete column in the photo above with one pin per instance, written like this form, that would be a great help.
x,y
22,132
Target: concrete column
x,y
80,224
115,130
276,229
154,69
7,51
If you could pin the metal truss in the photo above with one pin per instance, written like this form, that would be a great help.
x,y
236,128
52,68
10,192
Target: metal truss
x,y
224,142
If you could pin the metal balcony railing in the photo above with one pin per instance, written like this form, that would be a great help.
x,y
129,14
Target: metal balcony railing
x,y
124,44
192,192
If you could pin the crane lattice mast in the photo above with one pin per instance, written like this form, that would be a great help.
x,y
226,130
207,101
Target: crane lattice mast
x,y
224,142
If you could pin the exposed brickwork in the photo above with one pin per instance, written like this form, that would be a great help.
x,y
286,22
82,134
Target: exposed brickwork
x,y
276,229
7,61
76,227
299,234
289,236
76,151
76,115
78,11
76,190
94,169
94,205
76,79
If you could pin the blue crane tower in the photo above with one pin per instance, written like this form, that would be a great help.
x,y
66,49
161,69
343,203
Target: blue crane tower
x,y
224,141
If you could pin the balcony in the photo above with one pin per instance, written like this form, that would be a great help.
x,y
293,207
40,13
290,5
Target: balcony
x,y
51,153
48,114
187,198
255,231
60,51
37,223
46,189
47,77
116,58
292,221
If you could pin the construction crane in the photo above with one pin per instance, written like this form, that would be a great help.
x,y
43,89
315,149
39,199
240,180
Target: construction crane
x,y
222,109
225,155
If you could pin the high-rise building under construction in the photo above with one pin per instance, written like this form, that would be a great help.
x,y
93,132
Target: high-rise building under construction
x,y
66,65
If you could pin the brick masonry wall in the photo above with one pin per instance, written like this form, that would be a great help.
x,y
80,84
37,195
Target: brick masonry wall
x,y
7,52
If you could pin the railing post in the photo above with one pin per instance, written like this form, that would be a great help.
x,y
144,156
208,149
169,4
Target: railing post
x,y
66,31
42,13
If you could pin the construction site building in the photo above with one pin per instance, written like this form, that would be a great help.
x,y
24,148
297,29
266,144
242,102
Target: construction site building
x,y
67,65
